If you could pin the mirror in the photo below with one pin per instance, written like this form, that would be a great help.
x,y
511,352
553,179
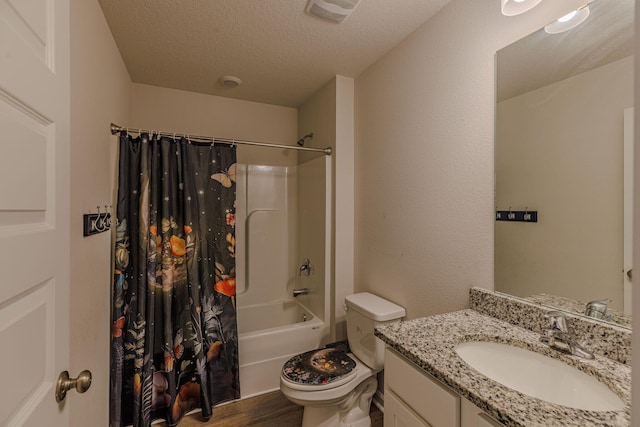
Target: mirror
x,y
560,130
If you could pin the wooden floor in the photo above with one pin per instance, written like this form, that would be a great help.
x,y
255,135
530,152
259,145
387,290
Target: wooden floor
x,y
267,410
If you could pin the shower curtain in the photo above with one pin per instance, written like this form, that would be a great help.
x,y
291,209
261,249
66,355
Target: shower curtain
x,y
174,344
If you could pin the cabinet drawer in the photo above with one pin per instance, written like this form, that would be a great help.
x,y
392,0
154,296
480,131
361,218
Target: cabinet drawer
x,y
431,400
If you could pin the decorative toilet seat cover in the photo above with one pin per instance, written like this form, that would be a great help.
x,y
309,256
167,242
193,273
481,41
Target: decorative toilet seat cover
x,y
319,367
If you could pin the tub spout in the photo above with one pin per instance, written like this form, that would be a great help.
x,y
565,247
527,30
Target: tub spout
x,y
301,291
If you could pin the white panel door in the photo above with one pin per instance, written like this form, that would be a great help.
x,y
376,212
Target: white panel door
x,y
34,209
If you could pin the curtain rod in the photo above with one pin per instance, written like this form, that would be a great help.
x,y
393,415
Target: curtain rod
x,y
115,129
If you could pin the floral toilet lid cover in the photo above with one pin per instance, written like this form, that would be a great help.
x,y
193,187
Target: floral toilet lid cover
x,y
318,367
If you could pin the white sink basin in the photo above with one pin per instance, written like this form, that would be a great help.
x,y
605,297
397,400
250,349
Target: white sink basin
x,y
538,376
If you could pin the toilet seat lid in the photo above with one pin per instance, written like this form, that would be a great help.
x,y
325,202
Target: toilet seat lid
x,y
319,367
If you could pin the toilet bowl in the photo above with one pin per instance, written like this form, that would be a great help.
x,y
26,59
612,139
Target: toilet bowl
x,y
345,402
336,388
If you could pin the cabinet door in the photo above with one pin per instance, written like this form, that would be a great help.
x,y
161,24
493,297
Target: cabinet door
x,y
398,414
426,396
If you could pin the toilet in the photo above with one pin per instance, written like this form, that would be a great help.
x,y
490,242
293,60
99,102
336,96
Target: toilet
x,y
336,387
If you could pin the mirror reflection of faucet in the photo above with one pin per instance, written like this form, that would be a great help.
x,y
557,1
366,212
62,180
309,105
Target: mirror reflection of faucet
x,y
305,268
598,309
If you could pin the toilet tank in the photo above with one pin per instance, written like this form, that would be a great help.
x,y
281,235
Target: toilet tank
x,y
364,312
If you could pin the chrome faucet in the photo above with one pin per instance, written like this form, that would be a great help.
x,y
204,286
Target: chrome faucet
x,y
557,336
598,309
305,268
301,291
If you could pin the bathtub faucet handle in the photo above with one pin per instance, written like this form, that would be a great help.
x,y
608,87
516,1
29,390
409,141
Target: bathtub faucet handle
x,y
305,268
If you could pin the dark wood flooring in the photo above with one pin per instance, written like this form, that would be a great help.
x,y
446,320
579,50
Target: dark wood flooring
x,y
267,410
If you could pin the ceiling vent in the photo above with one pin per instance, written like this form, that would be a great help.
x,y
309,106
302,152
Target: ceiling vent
x,y
230,81
331,10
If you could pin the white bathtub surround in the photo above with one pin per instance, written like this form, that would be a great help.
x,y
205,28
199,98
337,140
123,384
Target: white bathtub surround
x,y
280,221
266,223
429,343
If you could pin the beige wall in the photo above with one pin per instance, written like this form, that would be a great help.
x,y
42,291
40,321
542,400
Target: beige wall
x,y
344,187
100,91
560,152
317,115
329,115
198,114
424,157
310,236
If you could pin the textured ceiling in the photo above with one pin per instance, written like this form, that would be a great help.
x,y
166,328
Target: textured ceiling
x,y
282,54
541,59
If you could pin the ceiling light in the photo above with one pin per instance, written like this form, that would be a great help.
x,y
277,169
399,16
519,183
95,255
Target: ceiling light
x,y
568,17
516,7
331,10
568,21
230,81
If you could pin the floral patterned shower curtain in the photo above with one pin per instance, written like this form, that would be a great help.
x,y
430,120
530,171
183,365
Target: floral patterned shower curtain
x,y
174,344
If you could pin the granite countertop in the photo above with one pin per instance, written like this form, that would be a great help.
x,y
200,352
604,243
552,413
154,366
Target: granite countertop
x,y
429,343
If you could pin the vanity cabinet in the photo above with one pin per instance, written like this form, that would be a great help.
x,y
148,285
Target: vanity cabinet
x,y
413,398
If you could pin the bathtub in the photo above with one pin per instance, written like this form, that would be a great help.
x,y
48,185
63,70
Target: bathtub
x,y
269,335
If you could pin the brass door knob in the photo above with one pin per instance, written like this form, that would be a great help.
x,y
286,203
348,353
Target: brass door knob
x,y
64,384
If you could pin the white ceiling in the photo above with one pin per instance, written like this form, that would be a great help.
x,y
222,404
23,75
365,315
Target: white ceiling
x,y
282,54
